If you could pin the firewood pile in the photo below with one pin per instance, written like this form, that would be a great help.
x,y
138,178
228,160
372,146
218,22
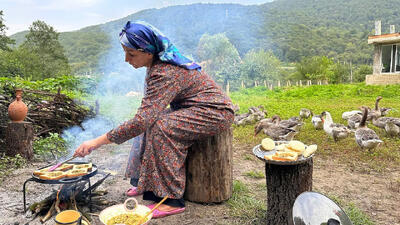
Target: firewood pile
x,y
255,114
48,112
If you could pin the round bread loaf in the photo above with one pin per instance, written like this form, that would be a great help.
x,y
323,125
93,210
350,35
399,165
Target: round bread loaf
x,y
268,144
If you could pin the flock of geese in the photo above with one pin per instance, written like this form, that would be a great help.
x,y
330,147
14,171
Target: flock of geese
x,y
366,138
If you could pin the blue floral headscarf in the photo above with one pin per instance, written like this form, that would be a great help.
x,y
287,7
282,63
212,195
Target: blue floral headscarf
x,y
144,37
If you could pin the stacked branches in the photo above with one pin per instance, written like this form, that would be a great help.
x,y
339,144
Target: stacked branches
x,y
48,112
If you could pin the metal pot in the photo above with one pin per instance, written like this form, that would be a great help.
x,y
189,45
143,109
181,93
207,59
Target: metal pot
x,y
117,210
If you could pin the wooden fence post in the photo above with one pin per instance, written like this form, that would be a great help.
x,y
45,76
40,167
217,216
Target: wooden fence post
x,y
243,84
300,83
279,83
227,88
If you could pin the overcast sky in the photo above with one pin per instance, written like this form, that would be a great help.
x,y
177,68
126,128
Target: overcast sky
x,y
68,15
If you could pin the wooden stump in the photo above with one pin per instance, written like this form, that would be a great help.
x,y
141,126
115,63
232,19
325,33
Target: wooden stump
x,y
19,137
284,184
209,169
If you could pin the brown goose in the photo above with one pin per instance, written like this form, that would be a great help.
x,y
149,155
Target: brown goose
x,y
291,123
385,111
316,120
365,137
381,121
275,131
305,113
354,121
392,129
376,112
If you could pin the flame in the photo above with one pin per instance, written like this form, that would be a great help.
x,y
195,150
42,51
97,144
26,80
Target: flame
x,y
58,192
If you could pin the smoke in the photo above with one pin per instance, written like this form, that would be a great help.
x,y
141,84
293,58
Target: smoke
x,y
118,95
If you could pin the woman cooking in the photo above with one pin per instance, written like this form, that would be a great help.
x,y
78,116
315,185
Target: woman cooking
x,y
198,109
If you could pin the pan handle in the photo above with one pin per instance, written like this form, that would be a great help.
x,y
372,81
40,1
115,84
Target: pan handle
x,y
70,180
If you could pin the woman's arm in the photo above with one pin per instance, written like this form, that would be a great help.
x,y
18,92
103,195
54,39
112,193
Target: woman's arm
x,y
162,87
88,146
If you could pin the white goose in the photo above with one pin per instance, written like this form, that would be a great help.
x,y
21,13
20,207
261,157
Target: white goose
x,y
335,130
348,114
365,137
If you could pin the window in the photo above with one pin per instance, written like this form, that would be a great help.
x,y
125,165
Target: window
x,y
398,59
386,58
390,59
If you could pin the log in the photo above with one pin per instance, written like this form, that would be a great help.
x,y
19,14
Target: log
x,y
209,171
19,137
284,184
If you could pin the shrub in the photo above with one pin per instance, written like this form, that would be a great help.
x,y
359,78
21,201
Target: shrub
x,y
51,146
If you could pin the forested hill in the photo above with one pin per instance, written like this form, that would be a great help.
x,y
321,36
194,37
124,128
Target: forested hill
x,y
291,28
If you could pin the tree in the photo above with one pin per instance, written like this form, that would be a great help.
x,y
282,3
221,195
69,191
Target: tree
x,y
20,62
218,57
4,40
361,72
260,65
42,40
315,68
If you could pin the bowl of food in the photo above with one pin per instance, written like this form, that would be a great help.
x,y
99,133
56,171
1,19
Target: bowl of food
x,y
120,214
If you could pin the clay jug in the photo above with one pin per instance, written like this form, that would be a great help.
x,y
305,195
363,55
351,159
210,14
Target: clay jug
x,y
17,110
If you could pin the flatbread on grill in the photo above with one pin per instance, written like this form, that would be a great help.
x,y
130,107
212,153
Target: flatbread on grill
x,y
64,167
41,171
76,172
87,166
54,175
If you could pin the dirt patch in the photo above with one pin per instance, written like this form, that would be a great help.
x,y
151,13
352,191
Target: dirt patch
x,y
377,194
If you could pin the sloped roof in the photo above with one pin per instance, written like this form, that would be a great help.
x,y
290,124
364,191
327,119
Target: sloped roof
x,y
384,39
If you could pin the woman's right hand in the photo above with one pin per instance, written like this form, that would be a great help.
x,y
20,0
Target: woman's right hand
x,y
88,146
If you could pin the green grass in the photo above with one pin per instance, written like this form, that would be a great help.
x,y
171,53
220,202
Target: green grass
x,y
356,216
245,207
287,102
255,174
248,157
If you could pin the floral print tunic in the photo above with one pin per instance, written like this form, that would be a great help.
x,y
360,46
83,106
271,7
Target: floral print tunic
x,y
198,109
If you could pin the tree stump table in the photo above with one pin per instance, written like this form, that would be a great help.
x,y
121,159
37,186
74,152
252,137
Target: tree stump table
x,y
285,181
19,137
209,169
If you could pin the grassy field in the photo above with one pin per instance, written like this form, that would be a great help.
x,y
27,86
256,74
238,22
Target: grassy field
x,y
336,99
287,102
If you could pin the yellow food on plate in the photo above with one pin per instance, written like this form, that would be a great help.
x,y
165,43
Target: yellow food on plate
x,y
54,175
310,150
285,156
268,157
296,146
281,147
126,218
268,144
282,156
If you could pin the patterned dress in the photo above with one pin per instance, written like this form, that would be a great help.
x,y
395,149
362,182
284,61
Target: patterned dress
x,y
198,109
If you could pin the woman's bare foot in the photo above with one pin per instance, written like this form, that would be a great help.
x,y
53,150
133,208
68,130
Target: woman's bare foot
x,y
167,208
